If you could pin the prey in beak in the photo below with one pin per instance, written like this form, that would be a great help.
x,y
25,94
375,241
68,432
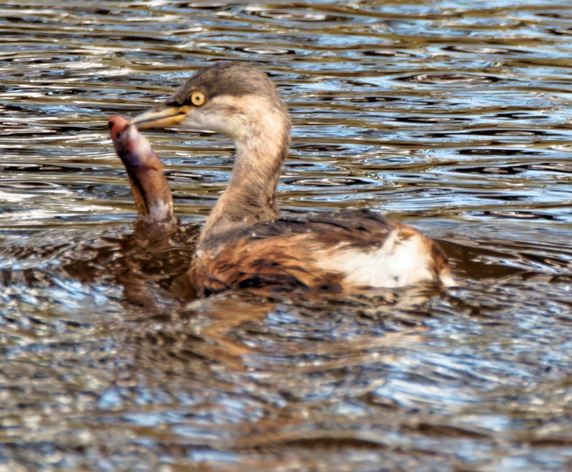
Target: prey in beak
x,y
149,184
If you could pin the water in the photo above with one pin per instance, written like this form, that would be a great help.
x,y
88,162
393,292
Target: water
x,y
451,116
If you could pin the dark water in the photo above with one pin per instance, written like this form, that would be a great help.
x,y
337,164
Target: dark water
x,y
451,115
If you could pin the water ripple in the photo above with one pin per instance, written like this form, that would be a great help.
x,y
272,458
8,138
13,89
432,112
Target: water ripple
x,y
452,116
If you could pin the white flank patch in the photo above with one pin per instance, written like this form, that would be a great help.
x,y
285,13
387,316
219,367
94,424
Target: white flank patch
x,y
397,263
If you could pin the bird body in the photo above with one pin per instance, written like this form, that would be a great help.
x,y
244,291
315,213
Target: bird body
x,y
341,251
245,242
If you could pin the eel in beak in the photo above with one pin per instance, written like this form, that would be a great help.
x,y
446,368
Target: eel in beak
x,y
149,184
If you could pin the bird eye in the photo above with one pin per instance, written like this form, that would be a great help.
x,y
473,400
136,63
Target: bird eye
x,y
198,98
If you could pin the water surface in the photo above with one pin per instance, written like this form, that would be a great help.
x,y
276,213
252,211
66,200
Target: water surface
x,y
451,116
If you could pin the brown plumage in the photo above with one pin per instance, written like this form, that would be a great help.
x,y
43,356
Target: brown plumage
x,y
288,253
245,242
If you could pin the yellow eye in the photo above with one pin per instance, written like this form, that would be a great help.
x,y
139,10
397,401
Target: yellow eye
x,y
198,98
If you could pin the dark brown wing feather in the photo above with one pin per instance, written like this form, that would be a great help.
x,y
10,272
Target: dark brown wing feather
x,y
358,228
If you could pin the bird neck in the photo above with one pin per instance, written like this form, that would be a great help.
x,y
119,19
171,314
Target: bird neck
x,y
250,196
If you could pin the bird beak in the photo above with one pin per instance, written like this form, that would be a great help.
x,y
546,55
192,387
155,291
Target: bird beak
x,y
161,117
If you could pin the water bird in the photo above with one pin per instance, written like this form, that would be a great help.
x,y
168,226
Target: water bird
x,y
245,242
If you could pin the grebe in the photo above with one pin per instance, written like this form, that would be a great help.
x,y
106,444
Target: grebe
x,y
245,242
